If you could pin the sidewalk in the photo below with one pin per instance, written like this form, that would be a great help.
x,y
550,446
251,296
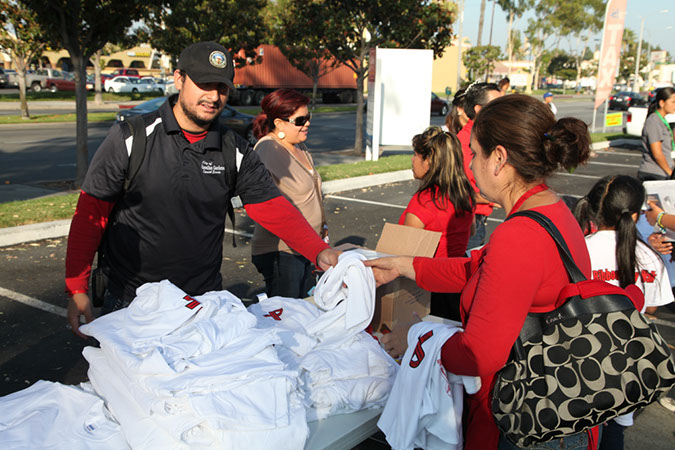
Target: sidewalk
x,y
108,106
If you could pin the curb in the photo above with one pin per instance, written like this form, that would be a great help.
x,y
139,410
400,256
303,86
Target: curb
x,y
33,232
615,143
59,228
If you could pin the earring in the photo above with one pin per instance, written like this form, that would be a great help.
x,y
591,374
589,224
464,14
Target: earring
x,y
281,135
497,170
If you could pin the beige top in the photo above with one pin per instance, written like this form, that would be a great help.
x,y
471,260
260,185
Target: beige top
x,y
299,185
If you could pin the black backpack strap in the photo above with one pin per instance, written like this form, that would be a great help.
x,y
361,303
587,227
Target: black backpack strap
x,y
229,147
573,270
137,127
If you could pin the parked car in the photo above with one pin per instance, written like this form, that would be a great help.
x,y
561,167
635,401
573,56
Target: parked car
x,y
238,122
4,79
67,83
12,80
131,73
626,99
90,81
635,120
170,88
125,84
438,105
156,84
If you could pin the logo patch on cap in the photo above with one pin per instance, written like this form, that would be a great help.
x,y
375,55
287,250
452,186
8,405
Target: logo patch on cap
x,y
217,59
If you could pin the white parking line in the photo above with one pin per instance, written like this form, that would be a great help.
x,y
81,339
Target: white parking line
x,y
606,152
597,163
370,202
239,233
594,177
35,303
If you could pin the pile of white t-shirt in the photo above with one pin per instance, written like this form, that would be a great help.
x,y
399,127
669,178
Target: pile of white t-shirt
x,y
183,372
177,372
342,368
55,416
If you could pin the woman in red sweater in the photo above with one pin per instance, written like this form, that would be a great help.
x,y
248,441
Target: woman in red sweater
x,y
516,144
443,202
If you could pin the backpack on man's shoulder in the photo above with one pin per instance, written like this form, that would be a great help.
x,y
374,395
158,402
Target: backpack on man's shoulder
x,y
137,129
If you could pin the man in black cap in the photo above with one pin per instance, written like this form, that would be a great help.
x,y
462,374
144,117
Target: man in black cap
x,y
167,221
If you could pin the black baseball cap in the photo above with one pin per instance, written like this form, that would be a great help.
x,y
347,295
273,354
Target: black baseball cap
x,y
207,62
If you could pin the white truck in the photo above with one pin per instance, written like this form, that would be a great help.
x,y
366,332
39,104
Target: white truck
x,y
635,120
37,81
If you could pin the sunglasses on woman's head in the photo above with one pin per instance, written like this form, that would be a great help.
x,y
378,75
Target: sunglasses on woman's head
x,y
300,120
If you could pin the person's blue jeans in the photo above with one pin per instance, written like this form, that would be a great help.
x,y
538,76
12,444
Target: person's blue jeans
x,y
577,441
478,238
285,274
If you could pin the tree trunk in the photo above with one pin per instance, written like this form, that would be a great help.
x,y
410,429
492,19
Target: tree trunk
x,y
315,88
358,142
82,155
480,23
21,75
98,97
509,43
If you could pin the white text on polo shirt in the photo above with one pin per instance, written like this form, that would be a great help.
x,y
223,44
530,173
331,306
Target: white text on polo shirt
x,y
208,167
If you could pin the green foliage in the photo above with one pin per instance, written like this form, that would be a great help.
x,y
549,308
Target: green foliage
x,y
21,37
563,66
357,26
480,60
628,54
235,24
83,27
301,40
20,33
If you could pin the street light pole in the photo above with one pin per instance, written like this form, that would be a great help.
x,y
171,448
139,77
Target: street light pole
x,y
636,86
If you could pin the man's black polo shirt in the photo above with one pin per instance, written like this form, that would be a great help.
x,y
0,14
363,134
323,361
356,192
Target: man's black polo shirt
x,y
170,223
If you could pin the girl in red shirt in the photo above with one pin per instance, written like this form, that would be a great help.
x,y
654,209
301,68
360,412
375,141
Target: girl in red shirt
x,y
517,144
444,202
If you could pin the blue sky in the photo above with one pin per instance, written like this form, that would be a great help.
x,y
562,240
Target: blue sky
x,y
654,31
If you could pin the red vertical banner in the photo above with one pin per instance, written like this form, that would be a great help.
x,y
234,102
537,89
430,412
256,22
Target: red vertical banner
x,y
610,50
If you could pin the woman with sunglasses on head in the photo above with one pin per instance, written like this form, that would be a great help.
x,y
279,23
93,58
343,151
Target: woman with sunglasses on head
x,y
443,202
281,128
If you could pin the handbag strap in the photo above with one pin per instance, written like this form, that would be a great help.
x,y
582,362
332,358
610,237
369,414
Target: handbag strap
x,y
571,267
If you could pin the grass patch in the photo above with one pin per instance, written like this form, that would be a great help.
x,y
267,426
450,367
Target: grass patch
x,y
600,137
47,118
361,168
70,96
255,110
46,209
59,207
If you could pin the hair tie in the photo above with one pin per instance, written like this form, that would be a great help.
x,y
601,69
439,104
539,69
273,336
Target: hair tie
x,y
624,211
549,137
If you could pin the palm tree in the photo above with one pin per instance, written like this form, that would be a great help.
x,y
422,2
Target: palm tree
x,y
480,23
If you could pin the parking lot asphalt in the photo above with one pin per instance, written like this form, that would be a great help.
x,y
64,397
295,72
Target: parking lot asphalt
x,y
35,343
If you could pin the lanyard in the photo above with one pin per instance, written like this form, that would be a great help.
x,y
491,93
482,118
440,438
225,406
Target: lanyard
x,y
535,190
665,122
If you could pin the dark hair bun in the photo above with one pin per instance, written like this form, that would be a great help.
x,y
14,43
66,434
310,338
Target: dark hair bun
x,y
567,143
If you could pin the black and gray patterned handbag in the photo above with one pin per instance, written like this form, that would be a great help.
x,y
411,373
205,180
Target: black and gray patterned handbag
x,y
590,360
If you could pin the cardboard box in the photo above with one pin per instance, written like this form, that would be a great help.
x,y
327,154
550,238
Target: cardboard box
x,y
396,301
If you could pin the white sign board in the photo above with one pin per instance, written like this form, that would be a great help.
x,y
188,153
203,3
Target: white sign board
x,y
399,97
